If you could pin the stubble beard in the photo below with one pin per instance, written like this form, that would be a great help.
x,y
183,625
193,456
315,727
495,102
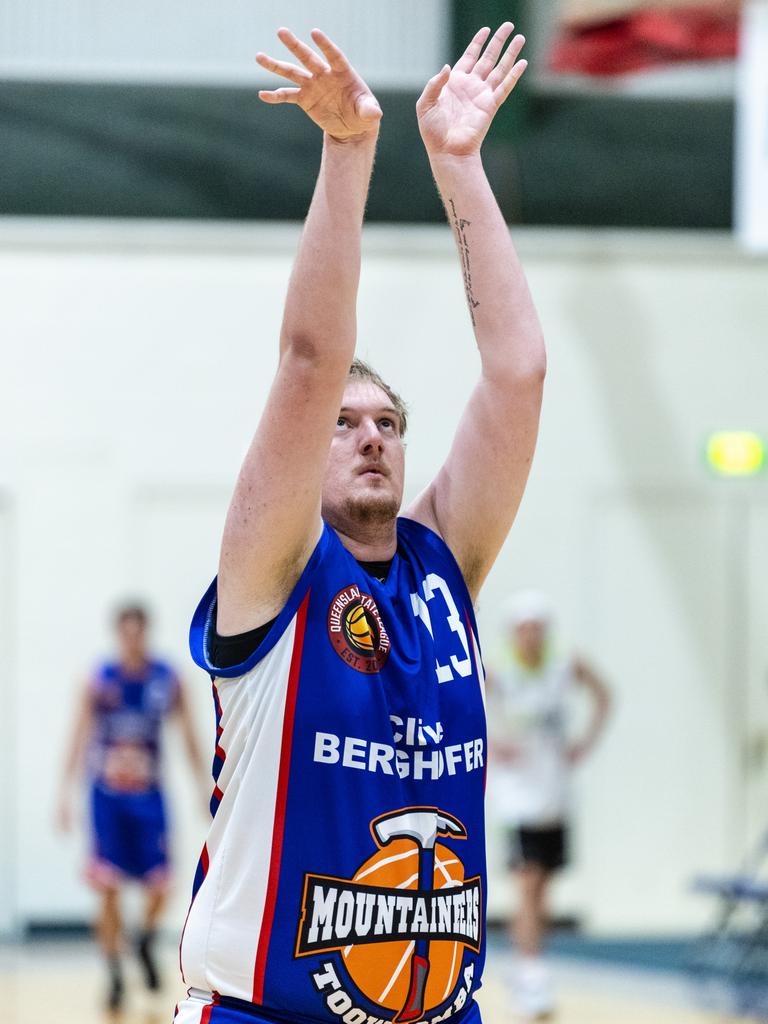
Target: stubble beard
x,y
370,513
371,509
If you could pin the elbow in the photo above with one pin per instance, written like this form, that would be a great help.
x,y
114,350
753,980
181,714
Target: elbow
x,y
532,363
524,374
316,352
535,370
303,346
520,364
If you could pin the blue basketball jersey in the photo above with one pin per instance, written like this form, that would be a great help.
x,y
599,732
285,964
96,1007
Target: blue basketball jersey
x,y
128,711
343,876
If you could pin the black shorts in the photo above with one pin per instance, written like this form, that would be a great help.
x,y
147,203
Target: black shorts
x,y
544,847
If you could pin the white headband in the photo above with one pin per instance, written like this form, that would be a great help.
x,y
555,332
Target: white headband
x,y
528,606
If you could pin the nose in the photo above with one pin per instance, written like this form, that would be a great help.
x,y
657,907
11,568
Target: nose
x,y
370,439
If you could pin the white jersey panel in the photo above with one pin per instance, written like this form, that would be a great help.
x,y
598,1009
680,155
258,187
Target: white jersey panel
x,y
221,937
195,1009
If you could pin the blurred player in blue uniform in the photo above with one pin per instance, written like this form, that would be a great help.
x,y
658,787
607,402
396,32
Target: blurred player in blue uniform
x,y
117,738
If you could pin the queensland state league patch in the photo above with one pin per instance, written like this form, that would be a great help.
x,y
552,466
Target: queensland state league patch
x,y
356,630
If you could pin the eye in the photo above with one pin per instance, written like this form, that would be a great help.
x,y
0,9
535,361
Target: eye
x,y
386,423
342,421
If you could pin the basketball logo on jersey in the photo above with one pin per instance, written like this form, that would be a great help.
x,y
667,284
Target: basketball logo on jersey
x,y
356,630
403,920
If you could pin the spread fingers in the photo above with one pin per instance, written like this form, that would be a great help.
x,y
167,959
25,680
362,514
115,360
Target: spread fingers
x,y
280,67
330,50
507,62
487,62
279,95
311,61
470,56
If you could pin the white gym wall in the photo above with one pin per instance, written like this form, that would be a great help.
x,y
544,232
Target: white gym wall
x,y
136,360
8,796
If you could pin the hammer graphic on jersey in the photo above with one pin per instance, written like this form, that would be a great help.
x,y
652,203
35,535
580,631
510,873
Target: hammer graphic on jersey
x,y
423,825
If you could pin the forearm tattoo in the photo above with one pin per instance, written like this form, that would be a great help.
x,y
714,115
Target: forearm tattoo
x,y
459,226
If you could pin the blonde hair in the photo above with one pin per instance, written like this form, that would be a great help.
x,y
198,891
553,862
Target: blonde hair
x,y
360,370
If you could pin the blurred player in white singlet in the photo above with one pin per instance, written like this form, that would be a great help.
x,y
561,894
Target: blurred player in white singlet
x,y
533,757
117,740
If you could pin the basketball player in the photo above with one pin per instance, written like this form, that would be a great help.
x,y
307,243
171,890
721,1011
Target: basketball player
x,y
117,735
343,875
533,760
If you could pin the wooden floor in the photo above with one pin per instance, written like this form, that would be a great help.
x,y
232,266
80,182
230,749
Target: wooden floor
x,y
62,983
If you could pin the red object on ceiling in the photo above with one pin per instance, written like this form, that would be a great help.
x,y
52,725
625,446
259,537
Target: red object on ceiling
x,y
647,38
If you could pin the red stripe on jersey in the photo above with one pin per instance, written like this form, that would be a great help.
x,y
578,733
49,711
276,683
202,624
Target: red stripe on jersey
x,y
282,791
480,672
205,1016
221,754
217,793
472,639
217,704
205,859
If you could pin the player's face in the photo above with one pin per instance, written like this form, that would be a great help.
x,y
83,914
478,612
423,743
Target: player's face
x,y
132,638
529,639
366,463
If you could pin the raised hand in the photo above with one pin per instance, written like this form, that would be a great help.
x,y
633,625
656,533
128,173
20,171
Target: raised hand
x,y
458,105
328,90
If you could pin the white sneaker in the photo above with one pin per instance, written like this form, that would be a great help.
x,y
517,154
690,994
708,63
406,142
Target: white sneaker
x,y
534,989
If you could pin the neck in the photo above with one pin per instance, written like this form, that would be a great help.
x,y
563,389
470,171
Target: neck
x,y
368,542
530,660
133,662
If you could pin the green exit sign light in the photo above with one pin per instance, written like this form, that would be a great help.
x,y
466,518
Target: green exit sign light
x,y
735,453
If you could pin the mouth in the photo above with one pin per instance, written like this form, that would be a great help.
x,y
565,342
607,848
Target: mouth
x,y
372,471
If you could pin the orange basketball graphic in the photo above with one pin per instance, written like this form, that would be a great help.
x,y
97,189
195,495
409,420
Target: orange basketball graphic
x,y
402,922
360,631
381,970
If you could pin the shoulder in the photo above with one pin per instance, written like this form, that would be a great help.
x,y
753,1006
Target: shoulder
x,y
102,689
164,680
159,668
102,673
419,541
424,528
432,560
328,555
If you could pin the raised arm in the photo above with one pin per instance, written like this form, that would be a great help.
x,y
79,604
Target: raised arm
x,y
474,498
274,517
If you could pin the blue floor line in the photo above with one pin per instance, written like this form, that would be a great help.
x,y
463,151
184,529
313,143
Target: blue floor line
x,y
672,955
654,954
